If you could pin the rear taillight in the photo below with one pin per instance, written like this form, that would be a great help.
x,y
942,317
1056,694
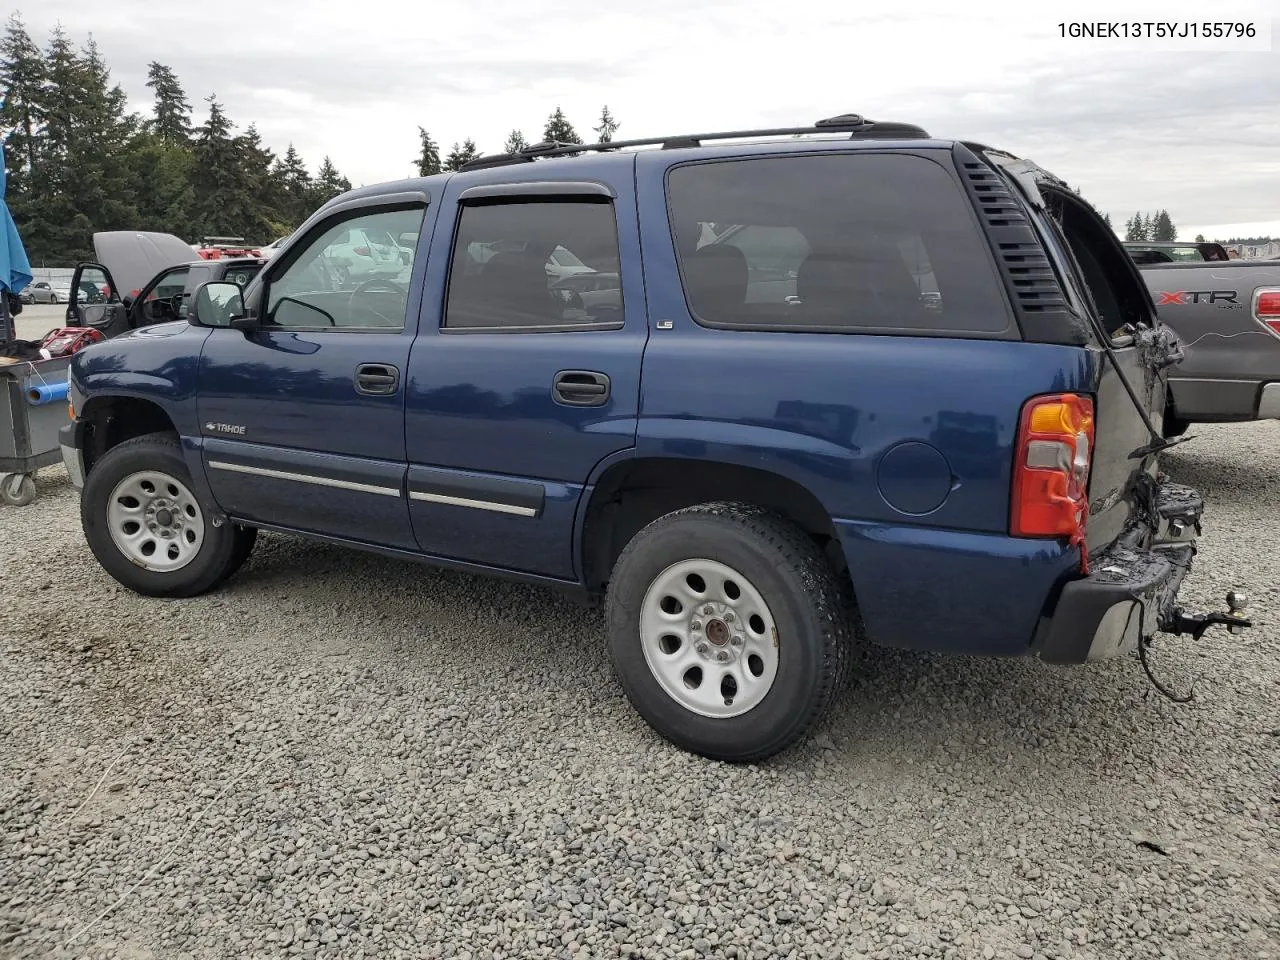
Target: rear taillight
x,y
1051,469
1266,308
361,251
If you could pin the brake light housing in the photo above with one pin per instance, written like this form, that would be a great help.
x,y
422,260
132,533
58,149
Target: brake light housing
x,y
1052,460
1266,308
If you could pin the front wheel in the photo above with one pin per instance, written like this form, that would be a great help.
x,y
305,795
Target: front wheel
x,y
53,298
146,527
727,629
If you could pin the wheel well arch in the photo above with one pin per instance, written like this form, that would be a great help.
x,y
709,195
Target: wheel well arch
x,y
111,420
632,493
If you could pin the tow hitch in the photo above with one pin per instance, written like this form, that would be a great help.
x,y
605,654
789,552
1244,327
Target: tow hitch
x,y
1196,625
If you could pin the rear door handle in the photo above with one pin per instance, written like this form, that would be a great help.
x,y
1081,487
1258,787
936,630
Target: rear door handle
x,y
581,388
377,379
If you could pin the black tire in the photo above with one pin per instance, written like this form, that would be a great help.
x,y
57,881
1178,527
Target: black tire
x,y
245,538
803,593
216,556
1174,426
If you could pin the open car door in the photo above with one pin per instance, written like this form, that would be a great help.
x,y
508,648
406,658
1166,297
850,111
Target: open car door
x,y
94,301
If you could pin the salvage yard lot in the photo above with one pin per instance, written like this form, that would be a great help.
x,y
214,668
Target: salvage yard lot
x,y
345,756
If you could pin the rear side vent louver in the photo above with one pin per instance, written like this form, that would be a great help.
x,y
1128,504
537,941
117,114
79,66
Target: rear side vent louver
x,y
1033,287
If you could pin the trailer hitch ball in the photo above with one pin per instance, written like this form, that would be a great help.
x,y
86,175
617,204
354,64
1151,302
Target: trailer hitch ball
x,y
1237,603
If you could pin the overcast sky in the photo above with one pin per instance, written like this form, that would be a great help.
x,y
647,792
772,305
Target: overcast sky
x,y
1196,132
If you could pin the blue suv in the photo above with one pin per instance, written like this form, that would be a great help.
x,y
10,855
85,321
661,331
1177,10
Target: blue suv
x,y
767,393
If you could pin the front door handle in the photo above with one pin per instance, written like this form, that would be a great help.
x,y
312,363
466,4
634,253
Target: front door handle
x,y
377,379
581,388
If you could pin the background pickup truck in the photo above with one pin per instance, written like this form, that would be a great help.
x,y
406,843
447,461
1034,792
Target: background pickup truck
x,y
1227,315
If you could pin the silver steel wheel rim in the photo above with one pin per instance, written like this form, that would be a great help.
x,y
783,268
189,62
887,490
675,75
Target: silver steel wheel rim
x,y
713,650
155,521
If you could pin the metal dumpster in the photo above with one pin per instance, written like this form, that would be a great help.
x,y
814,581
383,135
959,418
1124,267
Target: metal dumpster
x,y
33,406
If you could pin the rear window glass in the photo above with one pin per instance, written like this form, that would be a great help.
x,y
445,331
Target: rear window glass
x,y
877,242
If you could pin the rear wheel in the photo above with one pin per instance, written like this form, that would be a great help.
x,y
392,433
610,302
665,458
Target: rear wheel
x,y
727,630
146,527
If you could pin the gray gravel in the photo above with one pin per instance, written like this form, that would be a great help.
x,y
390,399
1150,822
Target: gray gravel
x,y
344,756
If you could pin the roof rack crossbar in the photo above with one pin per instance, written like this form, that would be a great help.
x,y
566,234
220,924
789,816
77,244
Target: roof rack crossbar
x,y
854,124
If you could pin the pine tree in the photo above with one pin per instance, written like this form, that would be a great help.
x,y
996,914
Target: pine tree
x,y
292,174
329,183
256,164
428,161
1162,227
172,109
461,155
515,142
22,78
1106,218
608,126
224,204
1134,228
559,129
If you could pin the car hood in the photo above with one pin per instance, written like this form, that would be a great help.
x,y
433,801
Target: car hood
x,y
133,257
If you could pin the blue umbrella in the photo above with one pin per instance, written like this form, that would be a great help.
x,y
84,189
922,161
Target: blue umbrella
x,y
15,268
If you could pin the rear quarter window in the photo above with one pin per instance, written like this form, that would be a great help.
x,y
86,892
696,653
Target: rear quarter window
x,y
856,242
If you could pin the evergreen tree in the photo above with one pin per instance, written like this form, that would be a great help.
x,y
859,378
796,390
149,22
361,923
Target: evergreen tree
x,y
294,180
22,79
1162,227
82,169
1106,218
559,129
460,155
256,164
515,142
224,205
329,183
608,126
1134,228
428,161
172,110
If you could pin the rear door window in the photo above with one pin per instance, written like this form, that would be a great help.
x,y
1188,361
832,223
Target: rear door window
x,y
855,242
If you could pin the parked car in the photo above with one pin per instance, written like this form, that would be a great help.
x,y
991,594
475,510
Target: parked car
x,y
747,485
360,255
272,248
46,291
1228,317
158,271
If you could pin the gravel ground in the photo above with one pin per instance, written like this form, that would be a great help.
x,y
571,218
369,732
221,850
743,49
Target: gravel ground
x,y
344,756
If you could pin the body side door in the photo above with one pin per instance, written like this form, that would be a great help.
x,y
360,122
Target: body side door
x,y
517,387
302,413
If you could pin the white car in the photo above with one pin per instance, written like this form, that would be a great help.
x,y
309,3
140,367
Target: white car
x,y
47,291
358,255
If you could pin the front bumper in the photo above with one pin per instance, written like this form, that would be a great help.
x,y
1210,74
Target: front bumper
x,y
72,458
1131,591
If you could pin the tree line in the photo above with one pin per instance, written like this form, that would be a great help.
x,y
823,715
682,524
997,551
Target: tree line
x,y
79,160
557,129
1156,226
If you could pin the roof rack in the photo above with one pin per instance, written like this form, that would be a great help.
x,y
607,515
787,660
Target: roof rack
x,y
857,126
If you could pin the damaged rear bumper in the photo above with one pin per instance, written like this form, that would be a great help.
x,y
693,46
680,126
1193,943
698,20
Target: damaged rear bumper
x,y
1131,591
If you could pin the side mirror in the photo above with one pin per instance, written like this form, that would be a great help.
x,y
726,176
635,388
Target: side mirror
x,y
219,304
